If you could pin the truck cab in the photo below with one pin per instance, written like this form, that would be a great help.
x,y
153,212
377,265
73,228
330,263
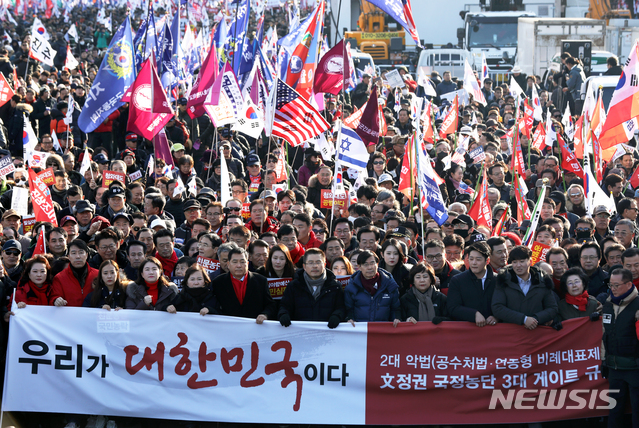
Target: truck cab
x,y
493,34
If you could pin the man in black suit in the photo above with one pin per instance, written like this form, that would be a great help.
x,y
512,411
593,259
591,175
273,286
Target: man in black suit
x,y
240,293
470,293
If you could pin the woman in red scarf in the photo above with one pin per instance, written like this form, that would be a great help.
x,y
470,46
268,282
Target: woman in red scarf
x,y
35,284
577,302
152,290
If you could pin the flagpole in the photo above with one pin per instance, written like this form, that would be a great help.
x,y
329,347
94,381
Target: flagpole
x,y
237,7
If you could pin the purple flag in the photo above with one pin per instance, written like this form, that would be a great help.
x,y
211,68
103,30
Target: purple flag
x,y
162,149
368,128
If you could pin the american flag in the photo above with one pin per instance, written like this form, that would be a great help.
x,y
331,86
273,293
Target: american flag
x,y
295,119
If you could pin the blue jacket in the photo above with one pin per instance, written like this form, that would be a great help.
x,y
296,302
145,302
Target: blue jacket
x,y
383,306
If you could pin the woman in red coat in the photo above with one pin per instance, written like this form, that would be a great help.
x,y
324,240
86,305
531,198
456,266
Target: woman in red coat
x,y
34,286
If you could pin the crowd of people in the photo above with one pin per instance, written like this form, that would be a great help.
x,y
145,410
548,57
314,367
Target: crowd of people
x,y
134,245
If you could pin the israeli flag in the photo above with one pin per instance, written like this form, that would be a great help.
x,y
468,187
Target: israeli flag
x,y
352,151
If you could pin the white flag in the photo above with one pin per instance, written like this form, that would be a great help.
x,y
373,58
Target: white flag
x,y
107,23
41,50
56,142
40,29
86,162
249,121
29,139
149,166
73,32
225,184
68,118
515,89
566,120
551,135
322,146
179,187
472,85
192,186
537,110
70,63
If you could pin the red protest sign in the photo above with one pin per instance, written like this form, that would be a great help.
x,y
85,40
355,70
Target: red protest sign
x,y
47,176
41,199
209,265
343,279
5,90
483,378
246,210
276,287
539,252
109,177
27,223
326,200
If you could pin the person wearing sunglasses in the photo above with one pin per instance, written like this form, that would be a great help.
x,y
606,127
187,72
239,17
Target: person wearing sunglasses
x,y
377,165
11,259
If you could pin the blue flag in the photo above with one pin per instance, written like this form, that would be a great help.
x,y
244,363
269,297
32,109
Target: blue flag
x,y
167,68
115,76
138,44
431,195
236,35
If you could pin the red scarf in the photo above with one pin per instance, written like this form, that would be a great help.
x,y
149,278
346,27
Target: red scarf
x,y
240,287
42,294
297,253
153,291
167,264
580,301
371,285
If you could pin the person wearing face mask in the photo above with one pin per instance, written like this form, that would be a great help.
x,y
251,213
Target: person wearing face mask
x,y
312,164
464,226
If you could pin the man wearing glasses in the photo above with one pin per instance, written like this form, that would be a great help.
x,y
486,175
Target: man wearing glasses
x,y
630,261
602,222
621,346
107,242
213,214
589,258
625,233
444,271
314,294
13,265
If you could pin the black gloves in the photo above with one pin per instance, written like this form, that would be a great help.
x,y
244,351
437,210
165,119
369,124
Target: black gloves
x,y
604,370
333,321
557,325
437,320
285,320
595,316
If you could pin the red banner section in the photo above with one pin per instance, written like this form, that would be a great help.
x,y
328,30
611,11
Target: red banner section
x,y
453,373
109,177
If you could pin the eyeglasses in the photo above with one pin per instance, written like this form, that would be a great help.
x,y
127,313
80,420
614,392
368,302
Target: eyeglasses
x,y
575,195
313,263
435,257
319,231
235,209
136,228
108,247
617,285
378,163
447,224
288,240
12,252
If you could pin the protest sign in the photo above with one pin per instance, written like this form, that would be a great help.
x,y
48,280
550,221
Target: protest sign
x,y
246,211
6,165
209,265
326,199
47,176
276,286
109,177
477,154
539,252
20,200
137,175
27,223
394,79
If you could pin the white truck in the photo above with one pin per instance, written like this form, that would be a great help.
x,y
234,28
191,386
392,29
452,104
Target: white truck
x,y
493,34
620,36
540,39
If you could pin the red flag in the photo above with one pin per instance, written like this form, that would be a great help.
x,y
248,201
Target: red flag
x,y
298,58
528,119
49,10
569,162
352,121
41,199
634,178
450,121
150,108
162,148
329,75
16,82
500,224
5,90
577,139
518,156
539,137
368,127
41,245
203,84
406,180
523,211
480,211
429,134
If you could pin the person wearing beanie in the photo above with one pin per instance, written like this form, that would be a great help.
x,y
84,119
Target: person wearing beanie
x,y
57,119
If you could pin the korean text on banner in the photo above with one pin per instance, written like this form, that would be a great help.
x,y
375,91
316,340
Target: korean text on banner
x,y
111,176
173,358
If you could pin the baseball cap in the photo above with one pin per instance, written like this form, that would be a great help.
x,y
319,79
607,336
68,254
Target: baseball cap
x,y
384,178
192,203
100,158
12,244
253,160
224,132
466,130
82,206
183,101
399,231
464,219
177,147
123,215
268,194
207,192
11,213
158,222
463,198
598,210
115,191
68,218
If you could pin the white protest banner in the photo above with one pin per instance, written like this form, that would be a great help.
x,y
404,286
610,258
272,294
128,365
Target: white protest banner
x,y
395,79
6,166
174,359
20,200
